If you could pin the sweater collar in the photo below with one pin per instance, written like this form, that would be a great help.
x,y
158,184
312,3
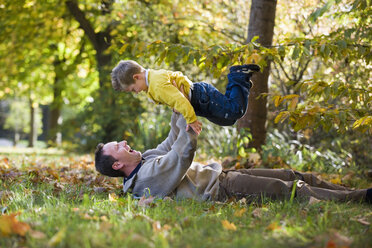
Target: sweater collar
x,y
134,172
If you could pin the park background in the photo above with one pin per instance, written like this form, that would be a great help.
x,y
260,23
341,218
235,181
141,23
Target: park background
x,y
309,110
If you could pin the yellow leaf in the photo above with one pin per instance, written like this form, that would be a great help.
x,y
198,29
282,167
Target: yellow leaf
x,y
228,226
10,225
336,180
240,212
5,225
281,116
291,96
58,237
273,226
293,104
113,197
277,100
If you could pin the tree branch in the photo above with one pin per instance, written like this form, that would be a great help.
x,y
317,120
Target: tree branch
x,y
83,21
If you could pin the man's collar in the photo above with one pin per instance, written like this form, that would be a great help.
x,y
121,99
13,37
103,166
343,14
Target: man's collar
x,y
147,76
134,172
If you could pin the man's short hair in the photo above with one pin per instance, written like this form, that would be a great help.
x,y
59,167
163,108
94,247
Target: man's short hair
x,y
104,163
122,74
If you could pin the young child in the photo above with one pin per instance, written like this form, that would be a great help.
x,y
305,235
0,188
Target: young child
x,y
190,99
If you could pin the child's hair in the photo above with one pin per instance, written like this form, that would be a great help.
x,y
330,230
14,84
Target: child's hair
x,y
122,74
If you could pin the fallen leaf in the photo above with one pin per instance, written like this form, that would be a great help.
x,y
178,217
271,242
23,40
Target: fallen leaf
x,y
113,197
273,226
243,201
228,225
240,212
340,240
146,202
333,240
37,234
313,200
104,218
156,227
362,221
5,163
10,225
179,209
257,212
58,237
210,209
99,189
336,180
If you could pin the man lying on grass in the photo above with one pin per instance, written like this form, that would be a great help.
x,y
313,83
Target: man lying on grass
x,y
169,170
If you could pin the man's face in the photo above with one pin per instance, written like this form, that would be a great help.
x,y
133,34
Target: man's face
x,y
122,152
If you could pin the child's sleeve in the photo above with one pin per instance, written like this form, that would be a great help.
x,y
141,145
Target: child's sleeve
x,y
170,95
175,99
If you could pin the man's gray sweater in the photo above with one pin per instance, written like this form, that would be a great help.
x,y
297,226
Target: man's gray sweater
x,y
169,170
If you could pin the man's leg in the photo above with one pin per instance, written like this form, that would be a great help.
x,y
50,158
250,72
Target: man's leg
x,y
242,184
304,190
290,175
312,180
236,184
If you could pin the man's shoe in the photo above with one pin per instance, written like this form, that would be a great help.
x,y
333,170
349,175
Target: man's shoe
x,y
249,69
369,195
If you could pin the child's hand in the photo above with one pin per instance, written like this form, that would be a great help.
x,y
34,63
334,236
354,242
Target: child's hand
x,y
196,126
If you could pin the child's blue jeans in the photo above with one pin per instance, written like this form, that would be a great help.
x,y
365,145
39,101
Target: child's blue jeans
x,y
223,110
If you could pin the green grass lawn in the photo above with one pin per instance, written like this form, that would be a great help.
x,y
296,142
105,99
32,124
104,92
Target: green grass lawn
x,y
60,201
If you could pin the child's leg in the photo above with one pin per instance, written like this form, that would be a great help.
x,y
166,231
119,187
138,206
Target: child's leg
x,y
220,109
226,109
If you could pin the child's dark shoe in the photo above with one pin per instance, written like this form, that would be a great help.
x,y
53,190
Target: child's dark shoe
x,y
249,69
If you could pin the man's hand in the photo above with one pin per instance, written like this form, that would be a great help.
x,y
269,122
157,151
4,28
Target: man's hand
x,y
196,126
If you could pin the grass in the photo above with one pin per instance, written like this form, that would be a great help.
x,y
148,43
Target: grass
x,y
66,204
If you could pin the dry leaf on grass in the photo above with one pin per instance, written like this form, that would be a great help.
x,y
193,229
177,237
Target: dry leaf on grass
x,y
240,212
99,189
258,212
146,202
361,220
333,240
58,237
313,200
10,225
228,225
36,234
113,197
273,226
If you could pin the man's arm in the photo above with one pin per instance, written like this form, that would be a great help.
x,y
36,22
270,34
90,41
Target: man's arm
x,y
164,147
161,175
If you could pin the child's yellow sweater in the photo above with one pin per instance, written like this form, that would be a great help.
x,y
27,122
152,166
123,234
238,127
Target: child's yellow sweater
x,y
162,91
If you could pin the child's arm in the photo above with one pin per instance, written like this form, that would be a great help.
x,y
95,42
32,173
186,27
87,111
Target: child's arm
x,y
173,97
196,126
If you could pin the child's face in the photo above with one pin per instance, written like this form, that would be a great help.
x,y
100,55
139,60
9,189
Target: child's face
x,y
139,84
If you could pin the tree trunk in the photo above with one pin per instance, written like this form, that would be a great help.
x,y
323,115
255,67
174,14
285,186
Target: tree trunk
x,y
56,106
32,137
101,41
261,23
16,138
